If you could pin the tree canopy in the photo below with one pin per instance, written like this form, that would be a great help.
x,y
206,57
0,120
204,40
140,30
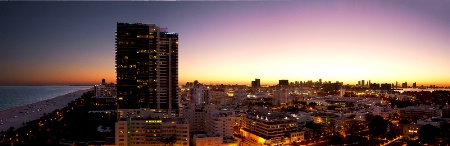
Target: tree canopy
x,y
427,134
377,125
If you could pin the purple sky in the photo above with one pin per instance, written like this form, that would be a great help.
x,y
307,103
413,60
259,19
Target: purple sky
x,y
233,42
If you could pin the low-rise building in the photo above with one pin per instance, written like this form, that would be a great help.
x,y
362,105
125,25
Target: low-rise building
x,y
138,129
383,111
213,140
195,117
433,122
417,112
445,113
410,131
220,121
263,127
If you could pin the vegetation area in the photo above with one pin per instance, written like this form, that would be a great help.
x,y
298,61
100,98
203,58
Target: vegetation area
x,y
432,135
72,123
429,98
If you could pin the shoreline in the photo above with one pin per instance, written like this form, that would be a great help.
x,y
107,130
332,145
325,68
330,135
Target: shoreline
x,y
14,117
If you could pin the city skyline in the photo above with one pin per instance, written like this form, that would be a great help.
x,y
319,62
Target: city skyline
x,y
234,42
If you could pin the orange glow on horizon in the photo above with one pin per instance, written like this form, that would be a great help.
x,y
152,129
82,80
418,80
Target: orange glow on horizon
x,y
233,44
89,79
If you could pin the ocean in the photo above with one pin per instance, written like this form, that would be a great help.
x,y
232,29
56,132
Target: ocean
x,y
418,89
13,96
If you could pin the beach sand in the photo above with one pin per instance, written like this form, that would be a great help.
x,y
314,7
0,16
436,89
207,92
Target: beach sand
x,y
14,117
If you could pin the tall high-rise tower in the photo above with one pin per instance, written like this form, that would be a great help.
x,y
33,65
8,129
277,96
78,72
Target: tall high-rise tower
x,y
147,86
256,83
146,67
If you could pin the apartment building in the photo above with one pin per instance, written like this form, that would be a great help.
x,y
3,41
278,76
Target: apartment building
x,y
220,121
152,132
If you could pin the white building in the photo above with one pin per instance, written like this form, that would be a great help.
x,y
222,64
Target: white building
x,y
199,94
195,117
219,97
383,111
280,97
106,90
220,121
240,95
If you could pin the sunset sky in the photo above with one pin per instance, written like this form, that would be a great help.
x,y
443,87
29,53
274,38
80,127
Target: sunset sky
x,y
53,43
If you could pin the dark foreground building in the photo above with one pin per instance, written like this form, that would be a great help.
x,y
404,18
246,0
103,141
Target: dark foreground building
x,y
147,85
146,67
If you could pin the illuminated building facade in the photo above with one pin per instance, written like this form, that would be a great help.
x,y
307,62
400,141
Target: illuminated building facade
x,y
262,127
105,90
152,132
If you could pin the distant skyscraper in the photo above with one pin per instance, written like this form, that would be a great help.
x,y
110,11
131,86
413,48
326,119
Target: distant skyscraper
x,y
256,83
386,86
405,85
283,82
374,86
146,66
363,83
103,81
414,85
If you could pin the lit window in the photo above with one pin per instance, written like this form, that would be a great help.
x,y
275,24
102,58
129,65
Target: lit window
x,y
142,36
